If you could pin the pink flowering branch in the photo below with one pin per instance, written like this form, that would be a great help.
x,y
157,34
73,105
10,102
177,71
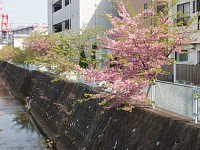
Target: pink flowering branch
x,y
136,55
39,43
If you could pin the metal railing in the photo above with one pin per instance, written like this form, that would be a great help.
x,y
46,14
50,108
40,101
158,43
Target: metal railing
x,y
179,98
175,97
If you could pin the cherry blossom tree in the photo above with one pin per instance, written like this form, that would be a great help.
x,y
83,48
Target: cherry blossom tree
x,y
135,55
39,43
59,53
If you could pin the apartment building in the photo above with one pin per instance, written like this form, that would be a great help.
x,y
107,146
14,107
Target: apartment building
x,y
74,14
140,5
190,8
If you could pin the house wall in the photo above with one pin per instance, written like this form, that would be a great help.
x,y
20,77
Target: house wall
x,y
50,11
194,49
18,40
139,5
93,13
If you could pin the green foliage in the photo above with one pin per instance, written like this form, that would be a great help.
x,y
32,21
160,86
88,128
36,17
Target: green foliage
x,y
197,96
23,56
16,55
7,53
82,60
39,43
70,49
103,102
34,46
86,98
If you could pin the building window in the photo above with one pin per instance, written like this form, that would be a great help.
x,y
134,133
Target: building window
x,y
183,13
183,56
145,7
68,24
194,7
198,5
57,27
67,2
160,6
57,6
198,22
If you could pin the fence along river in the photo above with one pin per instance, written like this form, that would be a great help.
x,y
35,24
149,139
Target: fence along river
x,y
17,129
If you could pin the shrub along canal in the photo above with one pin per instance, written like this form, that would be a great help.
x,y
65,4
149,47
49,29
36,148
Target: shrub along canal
x,y
17,129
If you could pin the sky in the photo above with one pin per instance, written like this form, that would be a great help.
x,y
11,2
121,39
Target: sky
x,y
25,11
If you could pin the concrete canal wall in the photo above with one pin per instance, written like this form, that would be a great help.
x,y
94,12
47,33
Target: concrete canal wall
x,y
86,126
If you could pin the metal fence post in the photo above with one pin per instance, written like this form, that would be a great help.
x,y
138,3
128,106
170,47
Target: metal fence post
x,y
196,108
174,71
153,93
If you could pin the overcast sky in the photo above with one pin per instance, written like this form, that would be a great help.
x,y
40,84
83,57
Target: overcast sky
x,y
25,11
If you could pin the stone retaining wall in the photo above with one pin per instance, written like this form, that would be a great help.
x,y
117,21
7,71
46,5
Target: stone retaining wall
x,y
87,126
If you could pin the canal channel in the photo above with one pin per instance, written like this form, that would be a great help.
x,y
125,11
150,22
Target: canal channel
x,y
17,128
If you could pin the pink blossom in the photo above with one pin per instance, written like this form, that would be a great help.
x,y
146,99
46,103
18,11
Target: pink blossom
x,y
138,54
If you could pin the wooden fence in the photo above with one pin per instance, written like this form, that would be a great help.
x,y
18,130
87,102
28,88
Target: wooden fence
x,y
184,73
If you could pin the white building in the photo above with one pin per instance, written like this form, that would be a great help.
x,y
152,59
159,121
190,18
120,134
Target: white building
x,y
190,8
27,29
74,14
22,32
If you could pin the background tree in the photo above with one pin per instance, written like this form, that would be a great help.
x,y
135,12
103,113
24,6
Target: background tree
x,y
69,49
35,45
7,53
39,43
